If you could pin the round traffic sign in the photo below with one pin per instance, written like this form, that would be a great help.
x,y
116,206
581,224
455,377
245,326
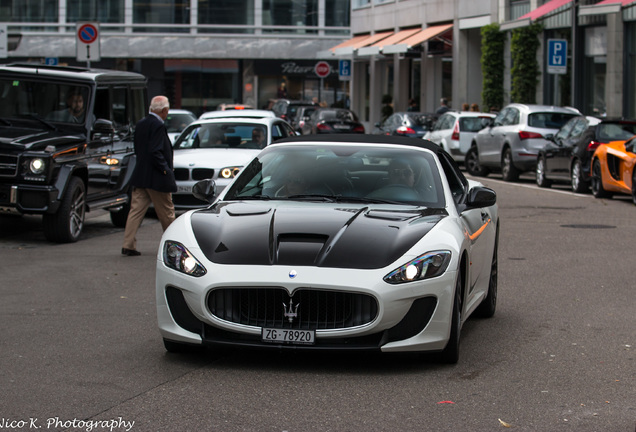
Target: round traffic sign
x,y
322,69
87,33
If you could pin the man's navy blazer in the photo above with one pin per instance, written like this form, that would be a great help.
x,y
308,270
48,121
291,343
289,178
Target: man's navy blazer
x,y
153,169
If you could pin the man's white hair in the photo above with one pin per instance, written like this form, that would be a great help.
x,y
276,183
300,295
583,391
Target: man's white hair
x,y
158,103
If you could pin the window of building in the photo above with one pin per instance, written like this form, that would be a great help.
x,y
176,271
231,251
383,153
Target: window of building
x,y
168,12
518,8
28,11
228,12
337,14
290,13
361,3
105,11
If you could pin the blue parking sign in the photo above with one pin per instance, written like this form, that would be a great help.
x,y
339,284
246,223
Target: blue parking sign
x,y
344,70
557,56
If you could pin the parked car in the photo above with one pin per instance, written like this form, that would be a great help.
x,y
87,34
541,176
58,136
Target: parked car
x,y
286,108
337,242
613,169
177,121
566,157
409,124
454,131
62,166
247,113
303,114
511,143
218,149
332,120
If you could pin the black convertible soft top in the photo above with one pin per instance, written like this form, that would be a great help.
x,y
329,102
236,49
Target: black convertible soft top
x,y
364,139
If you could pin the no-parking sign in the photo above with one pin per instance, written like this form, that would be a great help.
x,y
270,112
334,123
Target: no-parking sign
x,y
87,42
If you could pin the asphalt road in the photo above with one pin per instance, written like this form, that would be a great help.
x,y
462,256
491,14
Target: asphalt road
x,y
80,351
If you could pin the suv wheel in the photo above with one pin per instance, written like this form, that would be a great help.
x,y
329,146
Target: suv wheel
x,y
471,162
508,170
66,225
541,180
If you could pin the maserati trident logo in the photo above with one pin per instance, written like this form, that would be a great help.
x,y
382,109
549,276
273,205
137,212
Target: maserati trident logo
x,y
290,312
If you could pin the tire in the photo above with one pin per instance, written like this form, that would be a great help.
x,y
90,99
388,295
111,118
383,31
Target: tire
x,y
576,177
471,162
489,304
450,354
119,217
509,172
540,171
66,225
597,181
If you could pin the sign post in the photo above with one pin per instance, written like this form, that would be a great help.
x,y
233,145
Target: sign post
x,y
87,42
323,70
4,41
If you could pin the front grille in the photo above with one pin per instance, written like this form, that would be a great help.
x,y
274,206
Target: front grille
x,y
8,165
181,174
202,173
315,309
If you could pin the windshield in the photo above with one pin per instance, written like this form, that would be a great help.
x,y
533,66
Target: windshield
x,y
50,101
176,122
342,115
223,135
361,174
616,131
473,124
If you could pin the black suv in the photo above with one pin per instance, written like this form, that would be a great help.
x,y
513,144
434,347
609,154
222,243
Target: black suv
x,y
66,143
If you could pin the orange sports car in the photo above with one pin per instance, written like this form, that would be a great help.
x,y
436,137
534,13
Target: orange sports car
x,y
613,169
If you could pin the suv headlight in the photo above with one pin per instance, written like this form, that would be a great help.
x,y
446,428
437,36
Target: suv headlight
x,y
177,257
426,266
37,166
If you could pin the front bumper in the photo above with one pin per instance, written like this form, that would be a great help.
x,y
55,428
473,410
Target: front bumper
x,y
28,199
409,317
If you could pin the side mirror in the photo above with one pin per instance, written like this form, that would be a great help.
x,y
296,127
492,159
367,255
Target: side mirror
x,y
480,196
204,190
102,129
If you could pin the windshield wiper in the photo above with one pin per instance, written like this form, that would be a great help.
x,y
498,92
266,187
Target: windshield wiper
x,y
312,197
251,197
44,122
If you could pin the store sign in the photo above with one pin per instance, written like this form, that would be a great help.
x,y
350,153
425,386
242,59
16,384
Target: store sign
x,y
557,56
304,68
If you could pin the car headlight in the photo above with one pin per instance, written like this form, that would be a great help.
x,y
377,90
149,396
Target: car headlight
x,y
230,172
426,266
37,166
177,257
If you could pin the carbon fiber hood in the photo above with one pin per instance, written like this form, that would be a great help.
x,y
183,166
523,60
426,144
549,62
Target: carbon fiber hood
x,y
309,235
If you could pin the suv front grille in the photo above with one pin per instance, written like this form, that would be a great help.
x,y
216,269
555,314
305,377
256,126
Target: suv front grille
x,y
183,174
315,309
8,165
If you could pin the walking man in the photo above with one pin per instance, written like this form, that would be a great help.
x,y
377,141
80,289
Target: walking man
x,y
153,178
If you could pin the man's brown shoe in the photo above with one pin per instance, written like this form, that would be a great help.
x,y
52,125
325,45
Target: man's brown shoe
x,y
130,252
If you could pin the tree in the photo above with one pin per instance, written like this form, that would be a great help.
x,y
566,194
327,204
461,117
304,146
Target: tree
x,y
492,66
525,67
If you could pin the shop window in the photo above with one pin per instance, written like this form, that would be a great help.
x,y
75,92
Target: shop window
x,y
29,11
360,3
337,14
227,12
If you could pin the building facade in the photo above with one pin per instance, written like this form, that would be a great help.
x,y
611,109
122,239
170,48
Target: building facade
x,y
431,49
202,53
199,53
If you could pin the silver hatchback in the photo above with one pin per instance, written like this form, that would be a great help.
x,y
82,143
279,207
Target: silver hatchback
x,y
513,140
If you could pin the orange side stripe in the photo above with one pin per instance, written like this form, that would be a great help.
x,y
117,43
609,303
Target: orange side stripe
x,y
477,233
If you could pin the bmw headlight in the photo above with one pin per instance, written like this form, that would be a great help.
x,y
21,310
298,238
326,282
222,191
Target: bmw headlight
x,y
230,172
425,266
177,257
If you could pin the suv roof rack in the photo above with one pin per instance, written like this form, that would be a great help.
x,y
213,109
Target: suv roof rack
x,y
49,67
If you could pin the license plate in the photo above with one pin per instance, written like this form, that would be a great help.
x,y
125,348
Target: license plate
x,y
288,336
184,189
338,126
